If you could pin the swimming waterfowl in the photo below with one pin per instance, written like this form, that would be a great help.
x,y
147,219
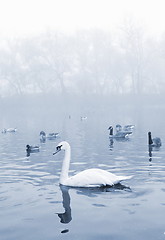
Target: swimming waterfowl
x,y
83,118
49,136
32,148
119,134
118,127
155,142
93,177
5,130
127,128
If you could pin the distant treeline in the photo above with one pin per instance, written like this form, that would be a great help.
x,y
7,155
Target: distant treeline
x,y
86,63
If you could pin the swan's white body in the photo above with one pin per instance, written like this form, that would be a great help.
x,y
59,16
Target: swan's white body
x,y
93,177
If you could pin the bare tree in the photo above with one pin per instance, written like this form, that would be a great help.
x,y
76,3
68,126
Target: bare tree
x,y
133,45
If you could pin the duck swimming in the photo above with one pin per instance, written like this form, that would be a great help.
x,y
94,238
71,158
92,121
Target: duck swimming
x,y
155,142
5,130
93,177
44,136
32,148
119,134
83,118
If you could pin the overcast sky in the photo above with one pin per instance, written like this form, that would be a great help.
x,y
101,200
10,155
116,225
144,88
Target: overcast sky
x,y
26,17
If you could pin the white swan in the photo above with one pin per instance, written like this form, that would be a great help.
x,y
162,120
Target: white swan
x,y
93,177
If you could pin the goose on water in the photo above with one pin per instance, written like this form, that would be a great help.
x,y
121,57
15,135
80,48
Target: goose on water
x,y
93,177
154,142
118,127
119,134
128,128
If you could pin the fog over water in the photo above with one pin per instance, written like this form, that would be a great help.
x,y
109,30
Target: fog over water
x,y
123,55
76,68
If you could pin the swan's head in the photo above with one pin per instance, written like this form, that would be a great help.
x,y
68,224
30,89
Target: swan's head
x,y
62,146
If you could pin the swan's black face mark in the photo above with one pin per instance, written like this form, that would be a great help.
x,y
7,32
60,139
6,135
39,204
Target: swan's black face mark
x,y
58,148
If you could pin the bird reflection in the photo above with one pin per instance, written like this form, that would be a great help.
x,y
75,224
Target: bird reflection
x,y
122,139
66,216
150,148
27,153
91,192
111,141
150,151
42,140
111,144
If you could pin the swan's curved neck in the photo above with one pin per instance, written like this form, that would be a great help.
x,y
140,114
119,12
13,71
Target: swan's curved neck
x,y
65,165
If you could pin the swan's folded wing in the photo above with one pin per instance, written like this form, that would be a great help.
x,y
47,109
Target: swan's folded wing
x,y
92,178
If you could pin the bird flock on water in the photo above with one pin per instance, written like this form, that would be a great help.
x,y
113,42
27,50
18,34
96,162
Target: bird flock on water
x,y
93,177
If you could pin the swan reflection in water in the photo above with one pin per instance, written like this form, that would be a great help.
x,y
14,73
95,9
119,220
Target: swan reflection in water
x,y
66,216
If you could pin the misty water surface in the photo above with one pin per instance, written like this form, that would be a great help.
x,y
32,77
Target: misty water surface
x,y
33,206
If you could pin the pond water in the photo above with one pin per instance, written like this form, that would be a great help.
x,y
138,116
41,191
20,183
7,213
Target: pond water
x,y
34,206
